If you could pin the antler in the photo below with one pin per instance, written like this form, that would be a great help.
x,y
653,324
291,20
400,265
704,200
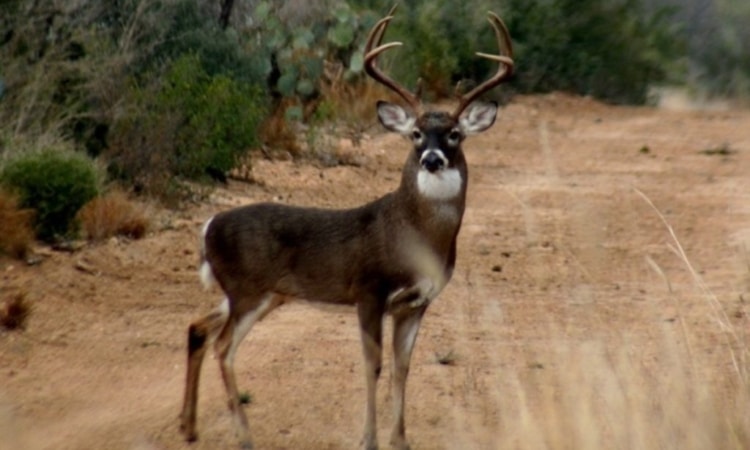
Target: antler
x,y
373,40
505,58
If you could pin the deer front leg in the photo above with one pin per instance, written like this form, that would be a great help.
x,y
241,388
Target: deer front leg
x,y
405,329
371,327
237,326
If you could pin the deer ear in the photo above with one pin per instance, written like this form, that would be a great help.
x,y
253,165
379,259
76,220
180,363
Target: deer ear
x,y
396,118
478,117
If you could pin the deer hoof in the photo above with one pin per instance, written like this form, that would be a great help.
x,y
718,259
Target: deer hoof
x,y
400,444
189,433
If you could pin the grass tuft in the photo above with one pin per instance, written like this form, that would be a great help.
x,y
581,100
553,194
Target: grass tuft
x,y
16,229
447,358
113,214
14,312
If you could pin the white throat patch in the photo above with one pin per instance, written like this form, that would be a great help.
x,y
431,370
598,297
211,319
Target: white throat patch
x,y
441,185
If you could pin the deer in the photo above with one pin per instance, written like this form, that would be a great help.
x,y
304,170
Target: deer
x,y
390,257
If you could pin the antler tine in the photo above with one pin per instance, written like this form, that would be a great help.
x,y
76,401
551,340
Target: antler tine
x,y
371,54
381,26
505,58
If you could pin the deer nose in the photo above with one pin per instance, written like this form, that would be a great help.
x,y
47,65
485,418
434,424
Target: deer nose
x,y
432,162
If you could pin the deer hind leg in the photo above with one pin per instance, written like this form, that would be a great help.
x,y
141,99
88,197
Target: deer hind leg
x,y
200,334
371,327
405,329
234,331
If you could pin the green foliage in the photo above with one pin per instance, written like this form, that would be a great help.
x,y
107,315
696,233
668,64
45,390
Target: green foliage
x,y
188,27
189,125
610,50
220,117
295,52
56,183
433,46
720,52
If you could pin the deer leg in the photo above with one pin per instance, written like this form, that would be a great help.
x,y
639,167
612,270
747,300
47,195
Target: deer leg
x,y
235,330
200,334
371,327
405,329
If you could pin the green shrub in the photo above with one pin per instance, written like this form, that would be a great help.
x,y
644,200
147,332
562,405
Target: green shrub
x,y
611,50
190,125
719,51
220,118
53,182
176,28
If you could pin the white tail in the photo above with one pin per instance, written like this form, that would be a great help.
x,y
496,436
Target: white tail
x,y
391,256
205,272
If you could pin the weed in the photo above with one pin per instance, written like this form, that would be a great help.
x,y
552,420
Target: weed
x,y
245,398
447,358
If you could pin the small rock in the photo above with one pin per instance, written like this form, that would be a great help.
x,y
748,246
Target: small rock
x,y
85,267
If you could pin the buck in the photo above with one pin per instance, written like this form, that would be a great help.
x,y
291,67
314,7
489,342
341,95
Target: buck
x,y
392,256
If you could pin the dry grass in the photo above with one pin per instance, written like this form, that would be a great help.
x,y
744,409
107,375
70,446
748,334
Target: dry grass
x,y
14,312
16,230
277,133
353,104
610,398
681,385
113,214
616,396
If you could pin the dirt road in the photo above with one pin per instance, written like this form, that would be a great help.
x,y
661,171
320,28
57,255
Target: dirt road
x,y
575,318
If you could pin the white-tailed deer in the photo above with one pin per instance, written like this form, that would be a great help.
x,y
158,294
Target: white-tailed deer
x,y
391,256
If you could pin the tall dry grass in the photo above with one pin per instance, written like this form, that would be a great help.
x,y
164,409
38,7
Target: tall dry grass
x,y
601,397
680,382
636,392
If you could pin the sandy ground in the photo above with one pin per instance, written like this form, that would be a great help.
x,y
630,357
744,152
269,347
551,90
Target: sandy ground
x,y
572,320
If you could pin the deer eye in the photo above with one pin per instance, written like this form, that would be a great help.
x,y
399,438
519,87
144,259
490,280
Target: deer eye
x,y
416,135
454,137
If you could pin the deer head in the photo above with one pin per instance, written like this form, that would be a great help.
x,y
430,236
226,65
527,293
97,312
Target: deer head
x,y
437,135
431,131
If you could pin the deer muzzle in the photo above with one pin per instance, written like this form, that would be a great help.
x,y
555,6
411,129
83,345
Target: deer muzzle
x,y
433,161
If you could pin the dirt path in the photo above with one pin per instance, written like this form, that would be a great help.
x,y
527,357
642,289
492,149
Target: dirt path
x,y
571,321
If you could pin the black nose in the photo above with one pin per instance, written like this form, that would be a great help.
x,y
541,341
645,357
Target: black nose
x,y
432,162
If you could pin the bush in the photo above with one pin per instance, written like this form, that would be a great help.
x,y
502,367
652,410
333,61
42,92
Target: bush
x,y
55,183
611,50
192,125
220,118
719,52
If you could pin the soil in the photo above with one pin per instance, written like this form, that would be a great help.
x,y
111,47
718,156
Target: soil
x,y
603,272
